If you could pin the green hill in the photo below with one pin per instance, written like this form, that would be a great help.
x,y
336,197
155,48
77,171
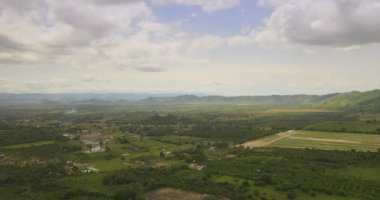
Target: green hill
x,y
358,101
366,101
265,101
353,100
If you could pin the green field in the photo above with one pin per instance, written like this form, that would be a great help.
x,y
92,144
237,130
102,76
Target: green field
x,y
148,153
269,192
329,141
370,125
26,145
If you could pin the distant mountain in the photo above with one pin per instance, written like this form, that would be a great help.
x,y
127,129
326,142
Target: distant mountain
x,y
274,100
366,101
369,100
82,96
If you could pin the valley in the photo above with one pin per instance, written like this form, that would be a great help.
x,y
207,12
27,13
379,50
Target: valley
x,y
188,152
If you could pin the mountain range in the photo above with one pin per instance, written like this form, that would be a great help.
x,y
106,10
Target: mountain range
x,y
369,100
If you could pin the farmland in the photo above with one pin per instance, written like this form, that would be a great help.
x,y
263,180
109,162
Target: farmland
x,y
177,153
319,140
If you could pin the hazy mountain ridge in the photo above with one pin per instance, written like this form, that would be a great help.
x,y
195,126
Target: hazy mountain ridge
x,y
350,99
82,96
369,100
273,100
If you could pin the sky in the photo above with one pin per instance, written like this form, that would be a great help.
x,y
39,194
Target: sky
x,y
218,47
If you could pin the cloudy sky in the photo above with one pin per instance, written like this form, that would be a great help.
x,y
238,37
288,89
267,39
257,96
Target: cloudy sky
x,y
226,47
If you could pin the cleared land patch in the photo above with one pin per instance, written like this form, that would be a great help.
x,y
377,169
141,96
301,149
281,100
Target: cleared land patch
x,y
26,145
296,110
318,140
266,141
173,194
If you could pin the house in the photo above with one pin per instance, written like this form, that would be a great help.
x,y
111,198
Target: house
x,y
89,170
196,166
72,111
94,146
70,136
92,169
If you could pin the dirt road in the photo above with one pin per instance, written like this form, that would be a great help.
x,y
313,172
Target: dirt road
x,y
266,141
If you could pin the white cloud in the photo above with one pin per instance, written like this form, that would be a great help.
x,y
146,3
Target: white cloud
x,y
206,42
89,78
149,69
84,34
322,22
93,21
271,2
350,48
207,5
239,40
56,31
155,28
116,45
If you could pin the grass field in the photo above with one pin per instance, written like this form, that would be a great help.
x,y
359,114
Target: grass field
x,y
348,126
322,140
26,145
296,110
269,192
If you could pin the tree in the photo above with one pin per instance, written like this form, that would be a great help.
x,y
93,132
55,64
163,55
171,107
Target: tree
x,y
291,194
107,149
134,191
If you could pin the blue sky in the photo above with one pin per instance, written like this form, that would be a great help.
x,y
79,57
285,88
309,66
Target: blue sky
x,y
225,47
228,22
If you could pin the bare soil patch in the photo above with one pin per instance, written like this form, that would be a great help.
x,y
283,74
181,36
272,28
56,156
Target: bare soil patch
x,y
173,194
324,140
95,136
265,142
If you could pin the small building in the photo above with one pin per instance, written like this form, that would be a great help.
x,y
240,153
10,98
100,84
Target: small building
x,y
90,169
72,111
70,136
93,169
211,149
196,166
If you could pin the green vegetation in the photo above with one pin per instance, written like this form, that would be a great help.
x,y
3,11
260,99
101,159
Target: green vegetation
x,y
369,126
328,140
25,145
114,151
368,101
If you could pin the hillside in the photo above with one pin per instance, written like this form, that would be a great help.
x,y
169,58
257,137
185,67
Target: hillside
x,y
369,100
366,101
265,101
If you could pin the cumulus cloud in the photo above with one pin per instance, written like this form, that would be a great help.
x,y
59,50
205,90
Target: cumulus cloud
x,y
271,2
154,28
149,69
113,45
92,21
350,48
89,78
81,33
8,44
19,5
322,22
206,42
207,5
69,22
239,40
113,2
